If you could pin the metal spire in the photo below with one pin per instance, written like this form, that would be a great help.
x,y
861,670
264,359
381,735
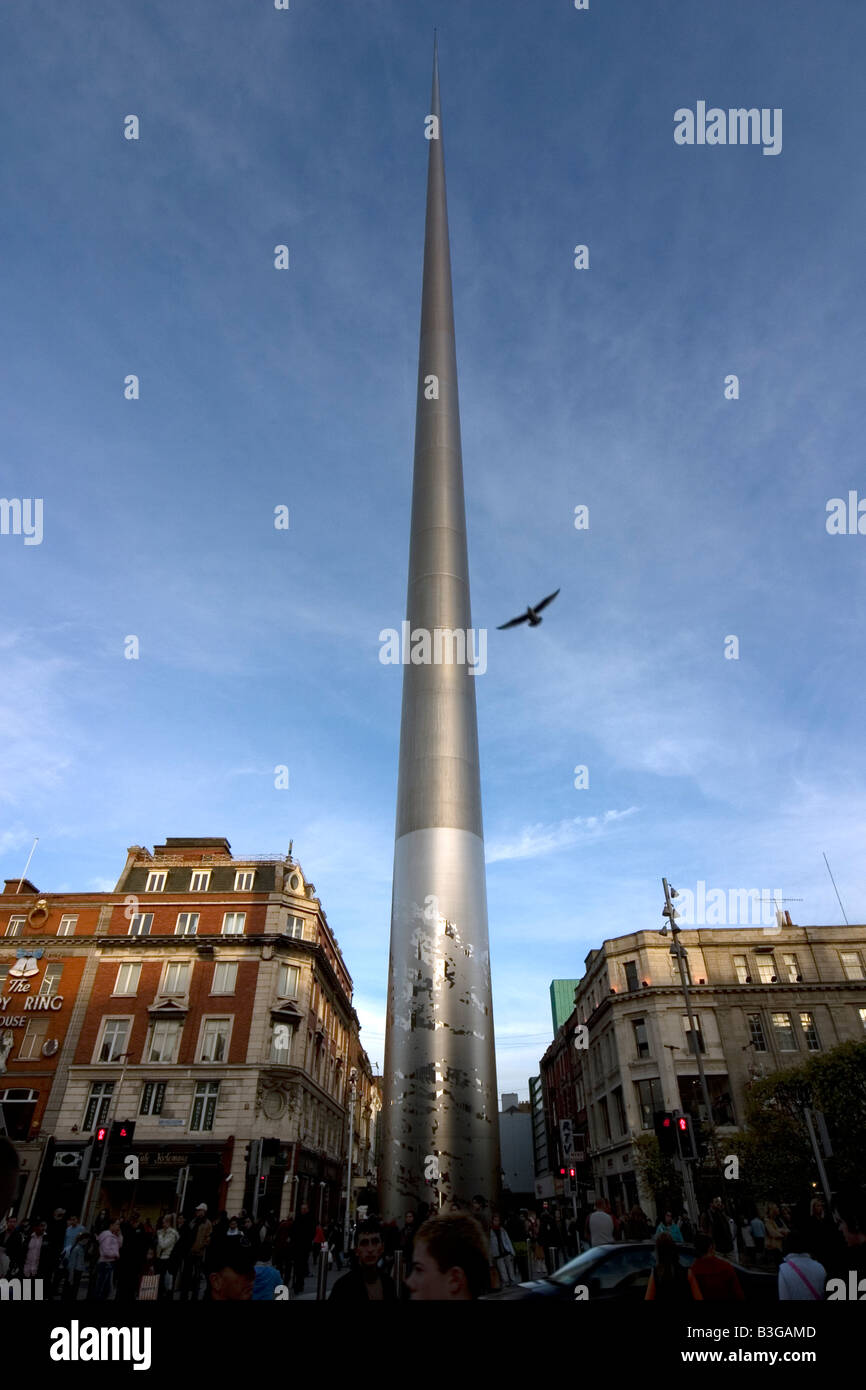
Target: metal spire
x,y
440,1112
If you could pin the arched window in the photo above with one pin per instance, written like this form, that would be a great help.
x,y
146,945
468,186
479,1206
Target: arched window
x,y
16,1112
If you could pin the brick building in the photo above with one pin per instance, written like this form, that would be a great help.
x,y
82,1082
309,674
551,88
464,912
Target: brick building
x,y
206,1000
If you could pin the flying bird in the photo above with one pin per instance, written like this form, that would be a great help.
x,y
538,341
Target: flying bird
x,y
531,614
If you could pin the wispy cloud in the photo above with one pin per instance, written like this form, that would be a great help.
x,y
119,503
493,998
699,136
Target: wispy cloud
x,y
536,840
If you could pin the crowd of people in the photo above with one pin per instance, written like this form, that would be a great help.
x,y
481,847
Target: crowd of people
x,y
430,1255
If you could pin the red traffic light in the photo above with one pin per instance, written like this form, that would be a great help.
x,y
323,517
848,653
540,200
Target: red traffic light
x,y
100,1135
562,1172
666,1122
572,1173
682,1122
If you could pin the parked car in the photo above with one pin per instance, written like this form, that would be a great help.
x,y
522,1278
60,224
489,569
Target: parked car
x,y
621,1272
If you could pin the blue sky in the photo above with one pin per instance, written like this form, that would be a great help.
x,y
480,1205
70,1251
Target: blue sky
x,y
601,387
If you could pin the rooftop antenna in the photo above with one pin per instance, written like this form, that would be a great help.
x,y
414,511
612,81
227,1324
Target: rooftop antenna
x,y
833,881
27,865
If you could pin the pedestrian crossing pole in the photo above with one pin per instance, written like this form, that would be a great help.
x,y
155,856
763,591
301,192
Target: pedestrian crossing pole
x,y
352,1075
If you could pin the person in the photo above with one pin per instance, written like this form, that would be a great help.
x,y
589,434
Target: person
x,y
366,1281
776,1232
233,1229
501,1254
231,1273
77,1261
201,1230
599,1224
37,1253
133,1253
110,1242
669,1227
302,1238
717,1279
801,1278
9,1170
267,1276
335,1243
283,1249
720,1229
178,1264
759,1236
15,1244
73,1230
166,1239
687,1230
669,1282
548,1237
450,1260
826,1242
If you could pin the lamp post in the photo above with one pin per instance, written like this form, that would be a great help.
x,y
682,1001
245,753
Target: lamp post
x,y
681,955
352,1091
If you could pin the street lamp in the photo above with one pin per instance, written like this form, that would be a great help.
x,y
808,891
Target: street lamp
x,y
681,955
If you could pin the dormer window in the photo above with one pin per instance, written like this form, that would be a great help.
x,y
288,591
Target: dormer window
x,y
199,881
156,881
244,880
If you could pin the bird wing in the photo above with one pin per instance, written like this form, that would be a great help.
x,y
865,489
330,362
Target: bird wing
x,y
514,622
544,602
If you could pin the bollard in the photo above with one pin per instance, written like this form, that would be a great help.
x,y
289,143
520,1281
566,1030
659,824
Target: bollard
x,y
322,1275
397,1272
553,1259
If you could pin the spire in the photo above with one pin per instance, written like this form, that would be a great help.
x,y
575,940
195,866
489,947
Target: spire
x,y
440,1101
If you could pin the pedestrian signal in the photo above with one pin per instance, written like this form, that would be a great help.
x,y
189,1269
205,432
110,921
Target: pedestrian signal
x,y
666,1132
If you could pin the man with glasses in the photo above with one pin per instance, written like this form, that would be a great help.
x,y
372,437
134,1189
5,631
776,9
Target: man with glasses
x,y
366,1281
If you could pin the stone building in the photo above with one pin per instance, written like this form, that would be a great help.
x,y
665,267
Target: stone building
x,y
762,999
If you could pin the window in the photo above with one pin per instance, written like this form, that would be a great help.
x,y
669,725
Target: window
x,y
156,882
115,1032
288,984
186,924
791,967
67,925
756,1032
650,1099
641,1041
605,1118
140,924
784,1031
281,1043
31,1043
199,881
17,1108
164,1039
295,928
204,1105
810,1032
152,1096
696,1039
619,1109
215,1040
766,969
851,963
175,979
96,1111
233,923
225,974
15,926
741,966
244,879
128,976
631,980
50,982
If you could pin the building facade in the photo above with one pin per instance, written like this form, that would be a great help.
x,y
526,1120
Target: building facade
x,y
761,999
205,1001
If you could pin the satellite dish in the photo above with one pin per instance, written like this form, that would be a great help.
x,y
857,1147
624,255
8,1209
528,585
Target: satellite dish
x,y
50,1047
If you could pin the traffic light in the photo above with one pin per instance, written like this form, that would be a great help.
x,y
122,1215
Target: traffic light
x,y
666,1132
254,1156
686,1137
270,1148
122,1134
